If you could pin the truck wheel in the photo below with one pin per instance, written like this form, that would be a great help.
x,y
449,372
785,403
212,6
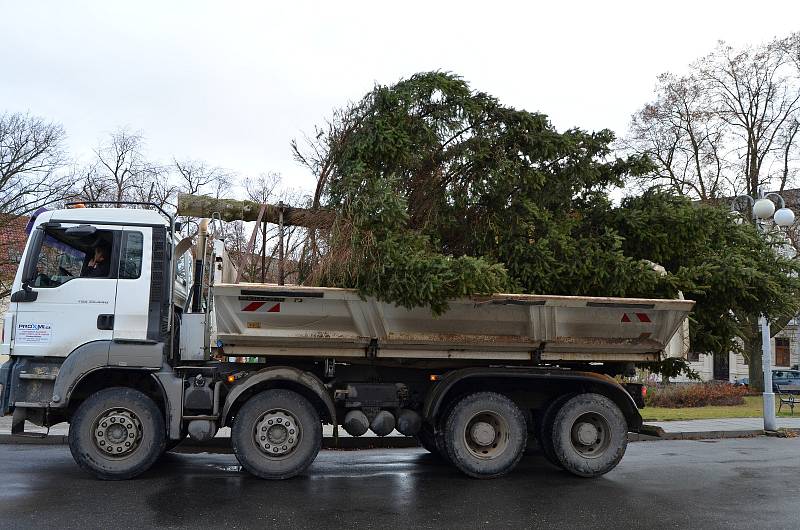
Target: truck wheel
x,y
426,439
544,428
433,443
485,435
117,433
276,434
590,435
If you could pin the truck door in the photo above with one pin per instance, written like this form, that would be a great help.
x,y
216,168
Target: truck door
x,y
137,334
74,288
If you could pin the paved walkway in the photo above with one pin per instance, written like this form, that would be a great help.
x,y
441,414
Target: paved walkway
x,y
725,424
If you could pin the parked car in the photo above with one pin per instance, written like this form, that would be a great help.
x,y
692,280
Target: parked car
x,y
779,377
786,377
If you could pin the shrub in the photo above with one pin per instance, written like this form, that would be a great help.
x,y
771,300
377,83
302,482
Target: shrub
x,y
681,395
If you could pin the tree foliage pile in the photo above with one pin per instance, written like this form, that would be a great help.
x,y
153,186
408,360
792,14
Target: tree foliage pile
x,y
442,191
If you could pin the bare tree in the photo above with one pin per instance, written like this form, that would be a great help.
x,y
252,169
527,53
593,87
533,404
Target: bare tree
x,y
31,176
121,172
262,188
31,154
121,163
790,154
198,178
728,127
682,137
319,155
756,92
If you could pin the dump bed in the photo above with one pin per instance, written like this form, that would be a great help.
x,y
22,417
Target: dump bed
x,y
267,319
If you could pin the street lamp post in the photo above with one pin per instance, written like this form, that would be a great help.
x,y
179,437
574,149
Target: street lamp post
x,y
763,209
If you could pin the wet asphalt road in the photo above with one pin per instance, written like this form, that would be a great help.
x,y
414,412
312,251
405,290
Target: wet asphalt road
x,y
745,483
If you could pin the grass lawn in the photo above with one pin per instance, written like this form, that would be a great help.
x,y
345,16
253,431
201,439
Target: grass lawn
x,y
751,409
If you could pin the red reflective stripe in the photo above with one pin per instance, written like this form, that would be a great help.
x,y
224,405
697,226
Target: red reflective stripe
x,y
252,306
275,309
643,317
625,317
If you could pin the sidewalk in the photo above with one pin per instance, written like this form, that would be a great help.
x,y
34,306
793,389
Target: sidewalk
x,y
715,428
724,424
659,430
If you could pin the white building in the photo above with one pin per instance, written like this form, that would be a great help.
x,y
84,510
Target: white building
x,y
785,354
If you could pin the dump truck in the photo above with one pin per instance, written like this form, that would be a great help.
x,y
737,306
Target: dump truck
x,y
139,338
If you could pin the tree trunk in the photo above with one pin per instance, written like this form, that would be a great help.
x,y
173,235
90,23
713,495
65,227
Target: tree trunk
x,y
722,368
754,369
233,210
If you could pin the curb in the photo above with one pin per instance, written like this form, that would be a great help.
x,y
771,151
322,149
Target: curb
x,y
50,439
694,435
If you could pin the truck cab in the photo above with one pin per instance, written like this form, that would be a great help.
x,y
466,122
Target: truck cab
x,y
95,281
83,275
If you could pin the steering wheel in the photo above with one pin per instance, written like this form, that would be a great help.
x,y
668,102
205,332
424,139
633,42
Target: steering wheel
x,y
64,272
43,280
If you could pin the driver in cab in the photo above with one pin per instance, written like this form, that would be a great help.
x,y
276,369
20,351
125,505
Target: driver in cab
x,y
98,266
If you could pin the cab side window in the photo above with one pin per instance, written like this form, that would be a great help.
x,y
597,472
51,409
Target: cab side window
x,y
130,257
66,255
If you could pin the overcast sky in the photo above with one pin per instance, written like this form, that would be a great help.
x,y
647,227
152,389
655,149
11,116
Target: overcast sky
x,y
233,82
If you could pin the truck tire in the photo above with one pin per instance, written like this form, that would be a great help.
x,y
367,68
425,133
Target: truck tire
x,y
485,435
276,434
426,439
544,428
433,443
117,434
590,435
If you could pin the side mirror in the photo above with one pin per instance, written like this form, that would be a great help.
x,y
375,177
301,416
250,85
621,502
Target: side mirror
x,y
32,257
81,230
26,294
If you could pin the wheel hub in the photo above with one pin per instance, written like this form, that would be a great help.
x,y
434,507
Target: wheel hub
x,y
591,435
277,433
486,435
587,433
482,433
117,432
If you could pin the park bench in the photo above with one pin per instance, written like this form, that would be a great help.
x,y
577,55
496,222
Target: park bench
x,y
788,395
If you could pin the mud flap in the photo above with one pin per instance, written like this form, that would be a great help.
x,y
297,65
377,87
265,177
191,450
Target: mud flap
x,y
18,423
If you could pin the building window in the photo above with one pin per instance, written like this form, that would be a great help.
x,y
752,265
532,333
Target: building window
x,y
782,351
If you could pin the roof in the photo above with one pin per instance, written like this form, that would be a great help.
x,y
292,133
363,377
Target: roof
x,y
133,216
13,232
12,243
